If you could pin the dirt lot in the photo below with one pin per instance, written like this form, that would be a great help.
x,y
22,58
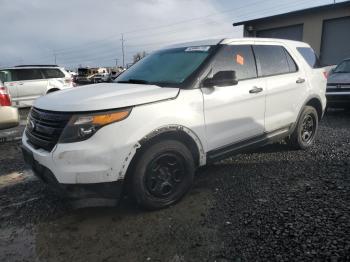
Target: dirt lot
x,y
271,205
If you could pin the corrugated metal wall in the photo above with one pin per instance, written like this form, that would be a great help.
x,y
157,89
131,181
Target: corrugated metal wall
x,y
335,40
294,32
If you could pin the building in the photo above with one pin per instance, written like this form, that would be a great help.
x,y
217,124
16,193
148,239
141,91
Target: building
x,y
326,28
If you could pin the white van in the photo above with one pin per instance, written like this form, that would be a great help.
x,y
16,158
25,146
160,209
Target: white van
x,y
175,110
27,83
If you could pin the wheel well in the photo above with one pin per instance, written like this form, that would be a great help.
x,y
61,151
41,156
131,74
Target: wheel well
x,y
315,103
181,136
178,135
52,90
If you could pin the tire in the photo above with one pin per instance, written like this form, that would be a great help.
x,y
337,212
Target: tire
x,y
305,131
162,174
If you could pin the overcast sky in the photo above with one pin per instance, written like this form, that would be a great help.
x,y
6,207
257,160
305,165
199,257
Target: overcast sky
x,y
88,32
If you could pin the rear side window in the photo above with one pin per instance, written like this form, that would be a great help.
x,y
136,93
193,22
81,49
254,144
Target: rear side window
x,y
52,73
26,74
272,60
239,58
310,57
5,76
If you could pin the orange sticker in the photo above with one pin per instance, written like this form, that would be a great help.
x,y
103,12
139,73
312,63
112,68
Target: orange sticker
x,y
239,59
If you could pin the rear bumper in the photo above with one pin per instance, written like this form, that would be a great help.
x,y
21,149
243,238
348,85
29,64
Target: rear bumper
x,y
9,117
338,100
111,190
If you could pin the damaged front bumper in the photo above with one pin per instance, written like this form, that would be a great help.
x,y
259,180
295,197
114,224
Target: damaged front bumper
x,y
110,190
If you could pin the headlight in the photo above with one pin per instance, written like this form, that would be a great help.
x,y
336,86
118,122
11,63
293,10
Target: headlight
x,y
84,126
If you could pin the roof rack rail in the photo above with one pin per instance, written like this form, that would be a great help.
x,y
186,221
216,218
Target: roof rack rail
x,y
36,66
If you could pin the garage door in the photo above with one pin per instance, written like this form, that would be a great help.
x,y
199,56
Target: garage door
x,y
294,32
335,41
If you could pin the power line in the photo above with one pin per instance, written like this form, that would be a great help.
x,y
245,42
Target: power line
x,y
160,33
133,46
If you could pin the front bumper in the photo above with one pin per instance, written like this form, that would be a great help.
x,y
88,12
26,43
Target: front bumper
x,y
74,191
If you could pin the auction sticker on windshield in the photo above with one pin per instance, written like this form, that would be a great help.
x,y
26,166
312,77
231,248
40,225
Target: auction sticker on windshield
x,y
197,49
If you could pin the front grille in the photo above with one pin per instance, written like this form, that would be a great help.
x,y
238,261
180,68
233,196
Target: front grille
x,y
44,128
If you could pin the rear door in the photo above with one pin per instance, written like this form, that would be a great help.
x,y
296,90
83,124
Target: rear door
x,y
30,85
286,86
234,113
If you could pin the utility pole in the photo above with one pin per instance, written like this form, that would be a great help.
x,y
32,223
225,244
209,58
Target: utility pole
x,y
116,62
123,50
54,55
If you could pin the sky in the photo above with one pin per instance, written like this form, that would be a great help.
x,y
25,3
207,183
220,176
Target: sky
x,y
74,33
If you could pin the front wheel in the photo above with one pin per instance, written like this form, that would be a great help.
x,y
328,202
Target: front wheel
x,y
305,131
163,173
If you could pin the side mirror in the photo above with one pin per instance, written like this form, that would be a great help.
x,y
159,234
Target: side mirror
x,y
221,78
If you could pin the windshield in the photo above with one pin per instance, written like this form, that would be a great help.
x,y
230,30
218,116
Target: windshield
x,y
343,67
171,66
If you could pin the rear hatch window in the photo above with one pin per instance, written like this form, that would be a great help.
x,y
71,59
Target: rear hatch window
x,y
52,73
310,57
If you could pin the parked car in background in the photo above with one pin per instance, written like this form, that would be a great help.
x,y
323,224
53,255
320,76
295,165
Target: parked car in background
x,y
175,110
27,83
9,116
338,86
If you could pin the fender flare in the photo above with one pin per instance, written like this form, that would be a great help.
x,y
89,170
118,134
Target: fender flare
x,y
301,109
154,134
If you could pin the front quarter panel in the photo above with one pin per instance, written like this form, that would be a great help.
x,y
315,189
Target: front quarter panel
x,y
105,157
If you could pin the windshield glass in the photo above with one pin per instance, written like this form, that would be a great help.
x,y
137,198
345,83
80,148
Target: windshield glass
x,y
343,67
170,66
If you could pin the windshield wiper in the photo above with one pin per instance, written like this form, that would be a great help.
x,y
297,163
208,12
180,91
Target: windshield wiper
x,y
341,72
134,81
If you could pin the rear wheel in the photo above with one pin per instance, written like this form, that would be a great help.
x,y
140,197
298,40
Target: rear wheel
x,y
304,133
163,173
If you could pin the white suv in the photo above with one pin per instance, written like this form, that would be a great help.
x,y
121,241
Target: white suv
x,y
27,83
175,110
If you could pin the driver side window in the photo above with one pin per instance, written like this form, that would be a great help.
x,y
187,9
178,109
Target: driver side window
x,y
239,58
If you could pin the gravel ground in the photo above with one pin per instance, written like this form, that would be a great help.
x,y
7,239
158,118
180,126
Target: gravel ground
x,y
270,205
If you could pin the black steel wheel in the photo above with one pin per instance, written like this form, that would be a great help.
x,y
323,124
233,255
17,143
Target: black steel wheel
x,y
162,174
305,130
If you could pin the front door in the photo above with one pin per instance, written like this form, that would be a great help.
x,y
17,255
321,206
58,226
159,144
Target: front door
x,y
234,113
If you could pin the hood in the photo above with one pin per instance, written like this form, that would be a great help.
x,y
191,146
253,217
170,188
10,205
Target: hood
x,y
339,78
103,96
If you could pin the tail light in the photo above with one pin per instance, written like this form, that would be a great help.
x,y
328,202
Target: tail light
x,y
325,74
5,99
68,81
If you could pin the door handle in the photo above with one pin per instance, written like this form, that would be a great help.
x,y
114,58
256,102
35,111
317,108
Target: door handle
x,y
300,80
20,83
255,90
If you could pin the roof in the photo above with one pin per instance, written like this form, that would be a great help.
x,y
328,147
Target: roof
x,y
298,12
36,66
195,43
28,67
241,40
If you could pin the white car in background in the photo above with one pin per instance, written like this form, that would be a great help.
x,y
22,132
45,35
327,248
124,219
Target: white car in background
x,y
27,83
